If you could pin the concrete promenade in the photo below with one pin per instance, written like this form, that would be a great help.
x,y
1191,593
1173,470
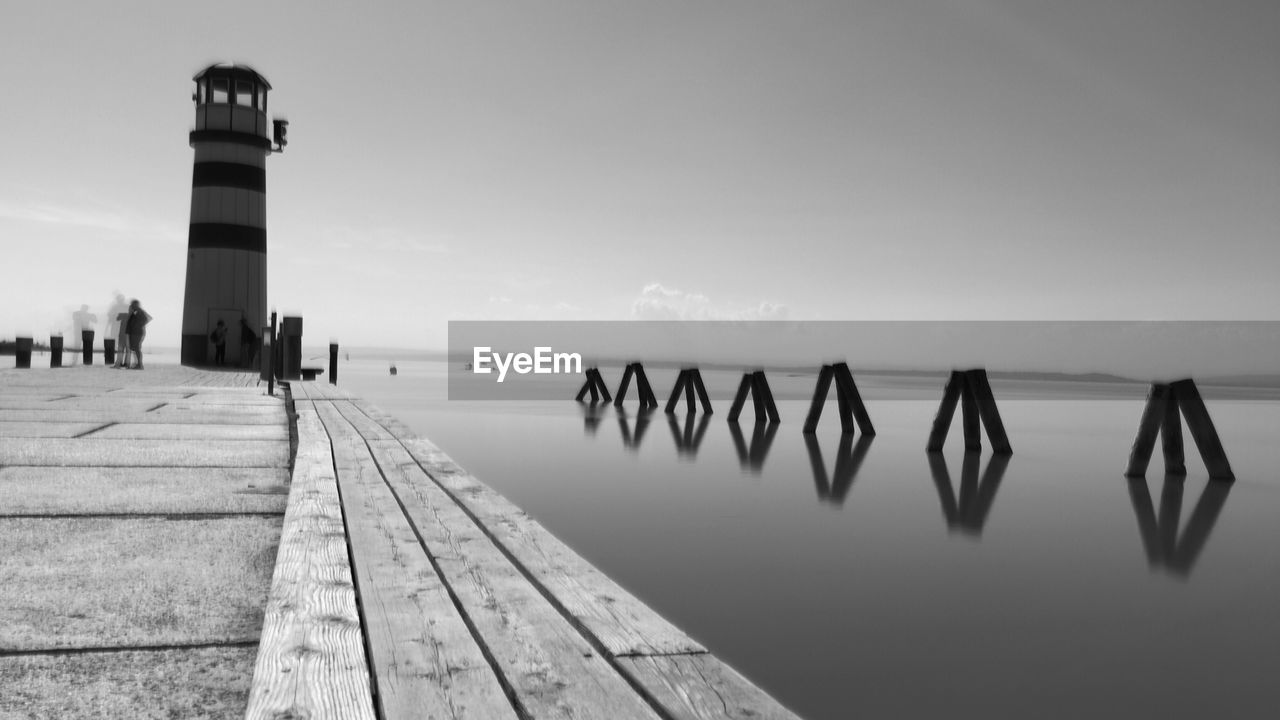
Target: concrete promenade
x,y
159,569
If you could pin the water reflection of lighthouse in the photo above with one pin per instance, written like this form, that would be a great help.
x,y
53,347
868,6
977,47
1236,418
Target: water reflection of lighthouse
x,y
227,240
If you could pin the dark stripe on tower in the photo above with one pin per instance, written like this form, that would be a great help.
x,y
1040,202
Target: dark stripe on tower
x,y
230,136
227,237
232,175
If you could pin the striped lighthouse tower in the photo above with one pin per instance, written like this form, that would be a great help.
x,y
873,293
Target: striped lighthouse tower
x,y
227,241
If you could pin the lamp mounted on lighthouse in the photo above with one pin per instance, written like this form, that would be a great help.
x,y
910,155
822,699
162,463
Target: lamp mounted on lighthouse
x,y
227,239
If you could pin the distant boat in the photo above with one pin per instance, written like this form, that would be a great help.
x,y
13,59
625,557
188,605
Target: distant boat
x,y
393,368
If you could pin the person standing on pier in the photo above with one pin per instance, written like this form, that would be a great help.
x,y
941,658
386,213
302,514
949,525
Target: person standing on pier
x,y
136,326
119,312
248,343
219,339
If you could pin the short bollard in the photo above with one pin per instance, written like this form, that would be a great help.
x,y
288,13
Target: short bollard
x,y
55,351
109,351
333,363
86,346
22,352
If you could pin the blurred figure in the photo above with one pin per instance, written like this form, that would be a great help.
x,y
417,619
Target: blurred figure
x,y
82,320
248,343
136,327
117,319
219,339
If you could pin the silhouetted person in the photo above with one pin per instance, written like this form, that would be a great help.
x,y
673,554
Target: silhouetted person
x,y
219,339
83,320
248,342
136,327
117,320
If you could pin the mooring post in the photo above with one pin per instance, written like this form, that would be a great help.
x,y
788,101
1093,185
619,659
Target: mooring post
x,y
696,376
22,352
820,391
594,384
108,351
55,351
681,382
333,363
647,398
978,406
626,383
848,399
757,385
86,346
1160,417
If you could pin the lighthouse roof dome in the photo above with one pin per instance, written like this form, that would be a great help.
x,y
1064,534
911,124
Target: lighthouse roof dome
x,y
233,71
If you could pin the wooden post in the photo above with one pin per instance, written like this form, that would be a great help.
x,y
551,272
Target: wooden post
x,y
647,398
333,363
969,418
946,411
762,386
587,384
626,383
1160,417
22,352
681,380
86,347
689,402
1175,462
109,351
1202,430
978,406
988,411
819,401
55,351
696,375
598,380
1148,428
269,352
845,383
740,398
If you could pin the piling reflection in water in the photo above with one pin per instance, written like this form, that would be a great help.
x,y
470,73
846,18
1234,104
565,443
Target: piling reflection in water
x,y
1165,548
631,437
849,457
969,514
751,457
690,438
592,414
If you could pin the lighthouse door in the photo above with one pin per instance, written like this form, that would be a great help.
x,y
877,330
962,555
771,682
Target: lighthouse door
x,y
231,318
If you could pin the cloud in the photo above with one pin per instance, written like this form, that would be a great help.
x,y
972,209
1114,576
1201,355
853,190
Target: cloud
x,y
658,302
89,215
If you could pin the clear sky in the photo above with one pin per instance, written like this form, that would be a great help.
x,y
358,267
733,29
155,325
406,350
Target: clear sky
x,y
896,159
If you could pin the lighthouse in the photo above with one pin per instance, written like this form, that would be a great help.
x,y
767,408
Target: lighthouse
x,y
227,240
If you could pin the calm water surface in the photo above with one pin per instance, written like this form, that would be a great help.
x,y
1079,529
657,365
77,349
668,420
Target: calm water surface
x,y
860,579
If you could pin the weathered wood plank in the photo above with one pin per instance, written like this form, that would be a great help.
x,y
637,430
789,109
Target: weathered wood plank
x,y
311,661
143,453
552,669
226,416
424,658
623,624
700,687
194,431
16,429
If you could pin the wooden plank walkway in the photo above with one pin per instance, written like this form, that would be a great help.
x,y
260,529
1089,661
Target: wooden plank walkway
x,y
469,607
140,520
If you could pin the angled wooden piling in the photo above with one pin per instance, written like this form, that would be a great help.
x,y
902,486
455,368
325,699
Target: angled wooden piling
x,y
972,391
643,388
1160,417
689,382
596,386
756,385
847,396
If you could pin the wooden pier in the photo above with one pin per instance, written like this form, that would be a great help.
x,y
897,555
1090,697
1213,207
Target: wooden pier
x,y
402,586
